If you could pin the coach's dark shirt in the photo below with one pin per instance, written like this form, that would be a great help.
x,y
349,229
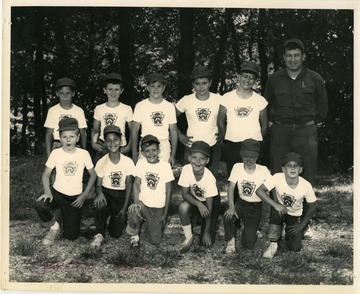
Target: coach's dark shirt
x,y
296,101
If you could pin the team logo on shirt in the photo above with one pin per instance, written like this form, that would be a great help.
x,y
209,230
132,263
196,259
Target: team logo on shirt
x,y
157,118
152,180
243,111
70,168
115,178
110,118
197,191
288,200
64,116
247,188
203,114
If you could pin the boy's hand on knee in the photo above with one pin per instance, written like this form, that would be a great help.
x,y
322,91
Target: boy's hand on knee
x,y
133,208
281,209
295,228
45,197
204,212
79,201
100,201
206,239
230,213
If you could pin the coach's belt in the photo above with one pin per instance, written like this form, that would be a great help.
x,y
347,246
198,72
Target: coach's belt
x,y
296,126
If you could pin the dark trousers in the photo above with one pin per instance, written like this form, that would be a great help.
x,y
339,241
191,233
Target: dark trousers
x,y
293,242
71,215
250,213
115,200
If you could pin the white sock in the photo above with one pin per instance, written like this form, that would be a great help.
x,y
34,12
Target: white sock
x,y
135,238
187,232
55,226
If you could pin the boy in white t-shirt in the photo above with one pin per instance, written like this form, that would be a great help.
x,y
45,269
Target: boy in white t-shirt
x,y
290,190
67,191
201,109
112,112
248,176
199,192
245,112
157,117
114,186
152,193
65,91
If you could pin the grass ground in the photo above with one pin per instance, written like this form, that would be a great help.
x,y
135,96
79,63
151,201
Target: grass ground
x,y
327,259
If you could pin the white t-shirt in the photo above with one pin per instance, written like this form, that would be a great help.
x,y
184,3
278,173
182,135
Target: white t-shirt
x,y
118,116
202,189
291,198
153,182
201,117
114,175
155,119
243,116
69,169
248,183
56,113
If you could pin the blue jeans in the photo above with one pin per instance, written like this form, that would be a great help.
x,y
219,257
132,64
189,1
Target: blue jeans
x,y
303,140
71,215
250,212
115,200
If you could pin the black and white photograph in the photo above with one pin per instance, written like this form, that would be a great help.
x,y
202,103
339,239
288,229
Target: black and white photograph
x,y
179,147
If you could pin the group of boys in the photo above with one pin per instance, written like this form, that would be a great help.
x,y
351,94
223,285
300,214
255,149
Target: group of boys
x,y
130,192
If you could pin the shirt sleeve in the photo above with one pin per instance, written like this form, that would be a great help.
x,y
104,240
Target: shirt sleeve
x,y
310,195
183,179
82,119
51,162
172,114
99,167
269,183
49,121
129,114
180,105
212,188
168,172
88,162
137,113
234,173
97,114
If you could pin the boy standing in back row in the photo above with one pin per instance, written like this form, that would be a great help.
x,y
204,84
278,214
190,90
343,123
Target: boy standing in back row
x,y
65,91
112,112
157,117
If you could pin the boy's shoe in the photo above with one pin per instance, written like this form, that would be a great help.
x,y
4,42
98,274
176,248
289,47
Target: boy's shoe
x,y
51,236
259,234
230,247
270,252
186,245
96,243
135,242
308,234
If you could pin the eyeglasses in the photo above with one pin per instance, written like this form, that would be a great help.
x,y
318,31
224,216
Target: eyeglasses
x,y
248,76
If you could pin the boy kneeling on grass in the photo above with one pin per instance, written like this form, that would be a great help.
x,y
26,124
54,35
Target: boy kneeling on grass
x,y
290,192
199,192
152,193
114,185
67,192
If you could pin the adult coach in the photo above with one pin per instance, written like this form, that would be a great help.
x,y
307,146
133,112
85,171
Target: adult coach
x,y
297,103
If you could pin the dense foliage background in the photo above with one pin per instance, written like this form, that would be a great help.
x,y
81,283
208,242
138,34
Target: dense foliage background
x,y
85,43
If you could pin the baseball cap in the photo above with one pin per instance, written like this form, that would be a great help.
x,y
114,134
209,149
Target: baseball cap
x,y
112,129
292,156
149,138
200,146
65,82
155,77
200,72
113,76
295,41
250,147
68,124
250,66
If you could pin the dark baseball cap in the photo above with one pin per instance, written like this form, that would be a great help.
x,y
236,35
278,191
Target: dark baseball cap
x,y
200,72
200,146
65,82
112,129
249,148
292,156
149,138
298,42
68,124
113,77
251,67
155,77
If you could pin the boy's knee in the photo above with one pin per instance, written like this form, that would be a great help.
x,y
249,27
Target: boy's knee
x,y
274,232
184,208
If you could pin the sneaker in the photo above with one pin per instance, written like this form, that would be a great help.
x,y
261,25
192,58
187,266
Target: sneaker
x,y
51,236
135,242
270,252
259,234
186,245
96,243
230,247
308,234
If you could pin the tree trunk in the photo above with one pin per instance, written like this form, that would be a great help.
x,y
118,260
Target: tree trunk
x,y
186,50
262,50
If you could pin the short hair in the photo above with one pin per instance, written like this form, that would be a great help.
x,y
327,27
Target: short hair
x,y
77,131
